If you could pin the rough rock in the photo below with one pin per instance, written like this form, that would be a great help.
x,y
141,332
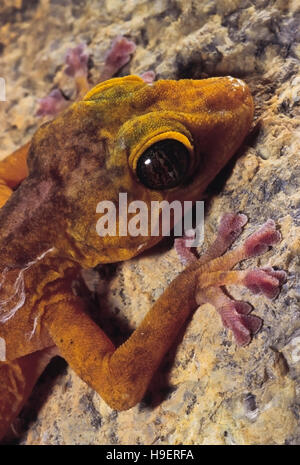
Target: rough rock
x,y
207,390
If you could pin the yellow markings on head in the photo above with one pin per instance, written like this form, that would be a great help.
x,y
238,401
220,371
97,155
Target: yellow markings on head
x,y
94,93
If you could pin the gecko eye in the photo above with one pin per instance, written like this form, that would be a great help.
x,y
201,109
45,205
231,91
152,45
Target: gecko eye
x,y
163,165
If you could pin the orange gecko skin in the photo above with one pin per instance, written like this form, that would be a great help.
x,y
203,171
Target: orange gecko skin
x,y
87,154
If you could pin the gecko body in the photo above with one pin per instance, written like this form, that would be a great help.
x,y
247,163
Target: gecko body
x,y
163,141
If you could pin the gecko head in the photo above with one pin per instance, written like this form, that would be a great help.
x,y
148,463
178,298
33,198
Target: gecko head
x,y
160,142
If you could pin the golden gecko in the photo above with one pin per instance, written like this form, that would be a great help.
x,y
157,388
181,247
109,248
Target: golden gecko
x,y
161,141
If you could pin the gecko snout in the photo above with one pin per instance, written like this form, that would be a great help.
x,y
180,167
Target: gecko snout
x,y
238,92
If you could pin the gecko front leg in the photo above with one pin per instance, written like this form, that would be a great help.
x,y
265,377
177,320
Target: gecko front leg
x,y
122,375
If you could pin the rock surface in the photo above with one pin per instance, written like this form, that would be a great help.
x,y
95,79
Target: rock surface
x,y
207,391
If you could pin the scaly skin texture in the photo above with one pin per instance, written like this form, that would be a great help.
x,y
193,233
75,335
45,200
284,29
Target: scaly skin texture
x,y
48,228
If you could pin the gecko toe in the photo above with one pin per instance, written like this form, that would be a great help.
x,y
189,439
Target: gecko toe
x,y
263,282
242,325
261,240
231,226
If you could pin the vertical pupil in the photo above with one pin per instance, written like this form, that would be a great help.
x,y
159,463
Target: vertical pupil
x,y
163,165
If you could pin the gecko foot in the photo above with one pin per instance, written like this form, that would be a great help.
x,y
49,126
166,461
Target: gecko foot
x,y
215,271
234,314
76,62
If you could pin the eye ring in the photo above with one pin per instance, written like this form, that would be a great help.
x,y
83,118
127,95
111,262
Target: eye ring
x,y
164,164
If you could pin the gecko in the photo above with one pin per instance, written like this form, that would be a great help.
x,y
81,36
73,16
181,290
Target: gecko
x,y
165,140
